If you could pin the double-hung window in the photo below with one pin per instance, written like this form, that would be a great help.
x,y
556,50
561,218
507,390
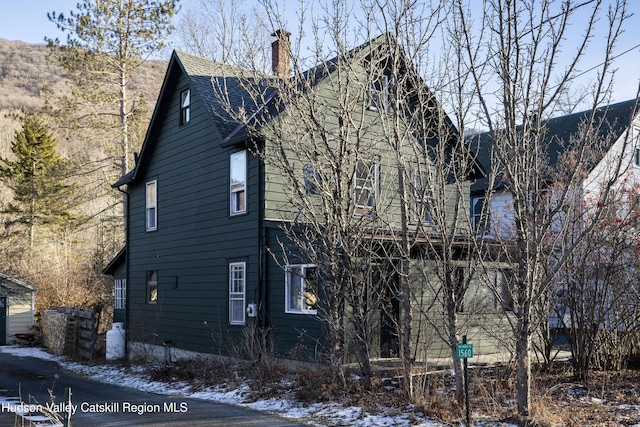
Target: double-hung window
x,y
185,106
119,293
237,292
152,287
152,205
300,289
238,182
480,218
422,196
365,185
380,92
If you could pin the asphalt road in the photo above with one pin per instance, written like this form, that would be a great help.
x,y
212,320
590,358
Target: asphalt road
x,y
42,383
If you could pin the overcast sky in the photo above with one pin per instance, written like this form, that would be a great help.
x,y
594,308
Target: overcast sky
x,y
27,21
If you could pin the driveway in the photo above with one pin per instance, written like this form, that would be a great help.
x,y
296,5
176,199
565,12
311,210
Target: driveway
x,y
28,383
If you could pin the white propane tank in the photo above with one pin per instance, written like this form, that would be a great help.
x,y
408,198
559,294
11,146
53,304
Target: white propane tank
x,y
115,342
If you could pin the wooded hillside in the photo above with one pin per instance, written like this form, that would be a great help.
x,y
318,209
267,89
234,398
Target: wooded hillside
x,y
25,74
65,265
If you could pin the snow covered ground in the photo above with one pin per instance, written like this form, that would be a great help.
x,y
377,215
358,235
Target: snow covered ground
x,y
322,414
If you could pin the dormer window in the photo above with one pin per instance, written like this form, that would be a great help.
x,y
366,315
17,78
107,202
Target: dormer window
x,y
185,106
380,92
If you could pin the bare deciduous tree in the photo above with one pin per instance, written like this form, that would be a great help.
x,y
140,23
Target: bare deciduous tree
x,y
530,70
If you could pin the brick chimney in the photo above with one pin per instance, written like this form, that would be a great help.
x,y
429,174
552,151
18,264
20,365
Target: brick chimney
x,y
281,54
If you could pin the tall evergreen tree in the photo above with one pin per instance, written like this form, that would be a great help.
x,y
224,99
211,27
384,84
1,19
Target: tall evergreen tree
x,y
107,42
38,178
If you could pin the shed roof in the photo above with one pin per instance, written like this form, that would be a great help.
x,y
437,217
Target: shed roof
x,y
15,283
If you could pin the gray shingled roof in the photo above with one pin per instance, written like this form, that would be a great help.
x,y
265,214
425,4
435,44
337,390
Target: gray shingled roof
x,y
213,80
611,122
13,282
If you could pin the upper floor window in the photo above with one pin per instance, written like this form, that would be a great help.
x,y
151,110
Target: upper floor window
x,y
365,185
119,293
152,205
480,217
152,287
238,182
237,291
636,157
312,180
379,92
300,289
185,106
423,200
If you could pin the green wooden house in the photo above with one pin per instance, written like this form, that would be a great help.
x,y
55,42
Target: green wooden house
x,y
204,257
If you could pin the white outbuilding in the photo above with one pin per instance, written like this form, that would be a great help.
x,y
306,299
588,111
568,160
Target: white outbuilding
x,y
16,308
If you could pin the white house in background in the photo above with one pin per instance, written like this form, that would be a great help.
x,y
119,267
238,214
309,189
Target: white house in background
x,y
618,126
16,308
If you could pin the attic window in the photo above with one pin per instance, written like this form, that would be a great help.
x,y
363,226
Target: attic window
x,y
379,92
636,157
185,106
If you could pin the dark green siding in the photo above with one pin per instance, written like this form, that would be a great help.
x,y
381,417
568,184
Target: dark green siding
x,y
295,335
195,239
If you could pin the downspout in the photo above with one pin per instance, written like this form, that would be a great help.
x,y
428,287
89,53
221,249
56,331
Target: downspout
x,y
262,262
125,196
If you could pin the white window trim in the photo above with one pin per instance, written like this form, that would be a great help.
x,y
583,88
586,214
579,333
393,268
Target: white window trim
x,y
235,296
379,97
236,188
151,206
423,203
119,293
362,210
287,289
477,217
185,106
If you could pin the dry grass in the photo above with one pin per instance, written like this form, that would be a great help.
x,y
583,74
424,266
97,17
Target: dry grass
x,y
609,399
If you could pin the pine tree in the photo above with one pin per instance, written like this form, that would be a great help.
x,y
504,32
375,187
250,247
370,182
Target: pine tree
x,y
38,178
107,43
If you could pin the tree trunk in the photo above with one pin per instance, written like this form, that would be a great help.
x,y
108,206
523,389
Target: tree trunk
x,y
523,365
457,365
